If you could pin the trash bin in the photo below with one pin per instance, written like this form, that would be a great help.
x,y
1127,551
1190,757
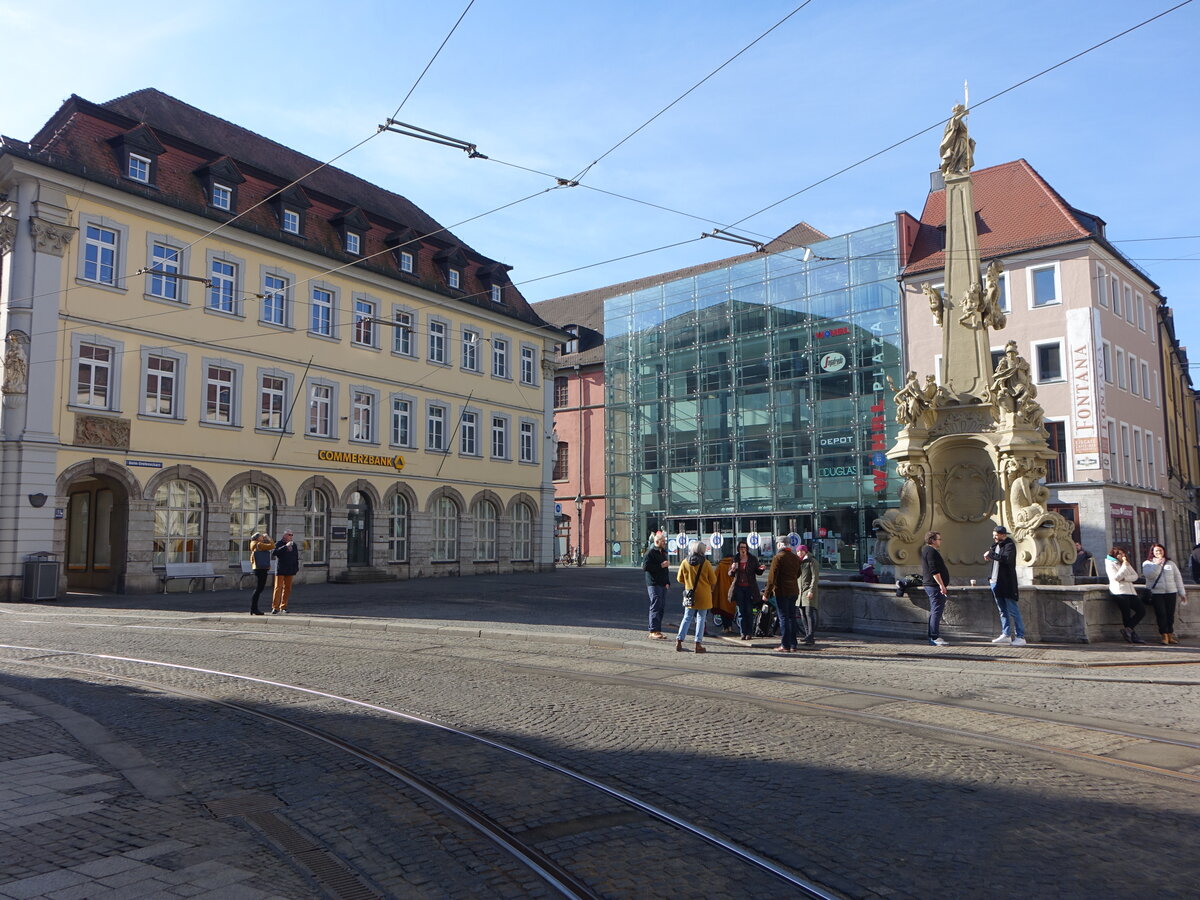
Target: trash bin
x,y
41,577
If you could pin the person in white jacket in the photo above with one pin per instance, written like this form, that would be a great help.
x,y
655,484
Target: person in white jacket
x,y
1121,576
1166,585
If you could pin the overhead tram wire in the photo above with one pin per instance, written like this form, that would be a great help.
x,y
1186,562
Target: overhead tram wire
x,y
436,53
594,162
975,106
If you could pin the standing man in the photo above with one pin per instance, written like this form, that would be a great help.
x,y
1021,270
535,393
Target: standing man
x,y
1083,564
1003,557
1195,560
934,577
261,546
783,583
657,566
289,564
806,610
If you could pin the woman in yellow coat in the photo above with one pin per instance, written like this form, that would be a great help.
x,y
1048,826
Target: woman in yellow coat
x,y
697,575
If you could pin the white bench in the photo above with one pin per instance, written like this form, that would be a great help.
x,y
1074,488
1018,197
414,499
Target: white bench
x,y
194,572
248,569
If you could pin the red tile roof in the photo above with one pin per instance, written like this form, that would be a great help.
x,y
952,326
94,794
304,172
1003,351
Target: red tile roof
x,y
1015,210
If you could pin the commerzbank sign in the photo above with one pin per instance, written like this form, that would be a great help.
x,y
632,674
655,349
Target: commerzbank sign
x,y
361,459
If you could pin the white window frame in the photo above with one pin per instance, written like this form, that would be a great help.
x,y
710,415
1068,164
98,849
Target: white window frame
x,y
176,377
1107,360
401,422
112,393
223,295
1122,372
402,333
1114,449
234,384
528,365
1031,274
354,243
366,311
284,394
276,305
221,197
437,352
1126,461
522,532
500,365
289,221
398,515
137,168
1140,302
322,310
363,403
321,396
527,441
471,341
444,518
453,278
437,418
1139,463
315,548
1146,393
1114,293
99,255
406,261
1102,282
499,437
468,433
1133,376
163,269
1130,313
486,516
1151,477
497,293
1037,362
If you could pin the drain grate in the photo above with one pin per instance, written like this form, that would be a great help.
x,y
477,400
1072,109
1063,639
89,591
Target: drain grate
x,y
330,871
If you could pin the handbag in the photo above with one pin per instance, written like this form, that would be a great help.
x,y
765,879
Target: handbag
x,y
689,598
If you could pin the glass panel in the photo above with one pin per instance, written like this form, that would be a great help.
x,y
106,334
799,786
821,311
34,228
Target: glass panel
x,y
77,531
102,550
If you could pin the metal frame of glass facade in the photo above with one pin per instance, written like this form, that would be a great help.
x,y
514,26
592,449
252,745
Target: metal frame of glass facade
x,y
751,397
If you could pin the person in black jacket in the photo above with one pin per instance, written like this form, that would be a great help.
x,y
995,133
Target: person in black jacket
x,y
1195,559
1003,557
657,566
288,555
934,577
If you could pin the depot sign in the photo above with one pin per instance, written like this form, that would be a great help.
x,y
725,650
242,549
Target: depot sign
x,y
361,459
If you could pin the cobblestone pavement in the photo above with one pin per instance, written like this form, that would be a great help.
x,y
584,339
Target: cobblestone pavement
x,y
115,791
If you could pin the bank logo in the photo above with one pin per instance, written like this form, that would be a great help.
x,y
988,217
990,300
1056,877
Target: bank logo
x,y
833,362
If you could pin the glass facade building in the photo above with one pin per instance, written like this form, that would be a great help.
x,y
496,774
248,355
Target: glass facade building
x,y
752,398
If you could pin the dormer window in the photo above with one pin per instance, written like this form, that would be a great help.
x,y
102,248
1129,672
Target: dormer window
x,y
453,278
406,261
222,197
139,168
497,293
289,205
351,225
353,243
291,221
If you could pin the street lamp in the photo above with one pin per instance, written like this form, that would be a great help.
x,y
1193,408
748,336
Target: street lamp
x,y
579,525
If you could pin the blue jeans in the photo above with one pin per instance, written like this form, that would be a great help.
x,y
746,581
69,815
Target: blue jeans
x,y
658,601
745,598
937,606
700,616
787,620
1010,616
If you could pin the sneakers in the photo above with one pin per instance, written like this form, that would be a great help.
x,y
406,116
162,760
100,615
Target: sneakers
x,y
1003,639
1018,642
274,612
940,642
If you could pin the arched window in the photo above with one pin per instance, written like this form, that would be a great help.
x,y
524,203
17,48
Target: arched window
x,y
178,523
522,532
485,530
316,528
249,511
445,530
398,529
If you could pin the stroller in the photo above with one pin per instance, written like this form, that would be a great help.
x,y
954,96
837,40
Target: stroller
x,y
766,620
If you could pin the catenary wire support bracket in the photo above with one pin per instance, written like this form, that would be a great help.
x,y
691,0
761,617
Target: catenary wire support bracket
x,y
424,134
722,235
148,270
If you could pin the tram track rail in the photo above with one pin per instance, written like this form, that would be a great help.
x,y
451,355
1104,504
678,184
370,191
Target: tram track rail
x,y
555,876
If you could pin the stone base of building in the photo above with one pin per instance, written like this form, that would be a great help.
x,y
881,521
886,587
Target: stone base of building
x,y
1052,613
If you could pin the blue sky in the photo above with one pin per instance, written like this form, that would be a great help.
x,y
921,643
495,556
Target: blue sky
x,y
552,86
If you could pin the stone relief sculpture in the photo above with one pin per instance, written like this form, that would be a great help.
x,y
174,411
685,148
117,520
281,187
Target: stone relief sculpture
x,y
972,308
1012,382
904,523
958,148
937,303
992,313
16,363
100,431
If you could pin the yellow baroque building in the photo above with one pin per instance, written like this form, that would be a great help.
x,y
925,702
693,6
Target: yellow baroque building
x,y
204,339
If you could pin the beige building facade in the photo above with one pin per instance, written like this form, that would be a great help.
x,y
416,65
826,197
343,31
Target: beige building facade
x,y
198,349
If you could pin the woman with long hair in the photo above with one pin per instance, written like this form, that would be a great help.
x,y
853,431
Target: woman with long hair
x,y
1121,576
744,569
1166,585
